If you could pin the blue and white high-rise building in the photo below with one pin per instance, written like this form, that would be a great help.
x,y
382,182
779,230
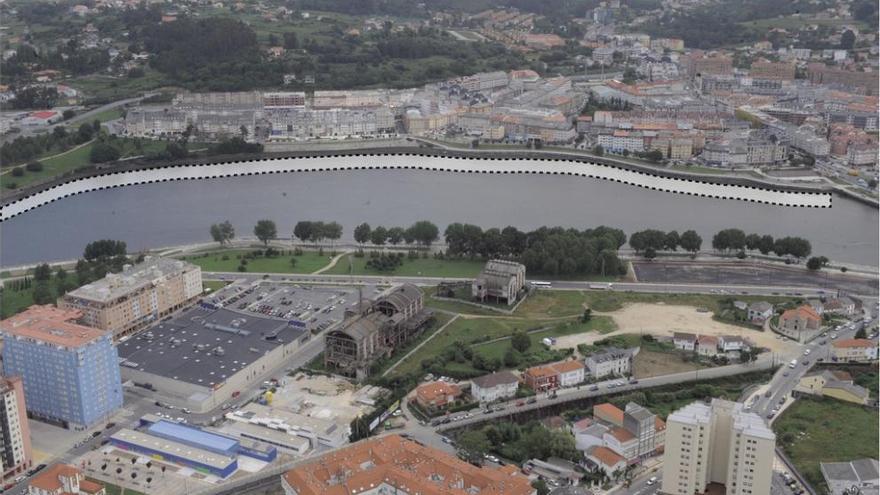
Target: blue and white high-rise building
x,y
70,372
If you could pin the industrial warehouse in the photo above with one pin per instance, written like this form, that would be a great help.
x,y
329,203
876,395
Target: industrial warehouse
x,y
375,329
204,451
203,357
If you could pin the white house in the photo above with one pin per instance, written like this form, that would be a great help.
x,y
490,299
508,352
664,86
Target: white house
x,y
606,460
495,386
732,343
759,312
571,372
684,341
611,361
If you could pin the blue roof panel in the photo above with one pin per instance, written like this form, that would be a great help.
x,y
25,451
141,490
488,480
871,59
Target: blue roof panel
x,y
193,436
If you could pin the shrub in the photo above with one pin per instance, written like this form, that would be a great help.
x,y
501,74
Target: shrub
x,y
11,185
34,167
297,252
17,172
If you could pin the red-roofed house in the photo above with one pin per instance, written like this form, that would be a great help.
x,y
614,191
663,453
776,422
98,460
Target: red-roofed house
x,y
437,394
605,459
63,479
43,117
858,350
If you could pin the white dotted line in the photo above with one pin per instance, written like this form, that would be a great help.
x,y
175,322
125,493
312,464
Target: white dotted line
x,y
722,182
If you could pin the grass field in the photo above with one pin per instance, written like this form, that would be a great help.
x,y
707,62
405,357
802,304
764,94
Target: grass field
x,y
15,301
653,363
60,163
421,267
475,332
826,430
106,115
214,285
214,261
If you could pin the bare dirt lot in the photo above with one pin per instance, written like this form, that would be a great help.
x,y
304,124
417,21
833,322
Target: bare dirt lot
x,y
664,320
650,363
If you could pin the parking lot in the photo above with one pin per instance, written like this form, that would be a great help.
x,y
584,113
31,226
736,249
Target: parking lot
x,y
313,307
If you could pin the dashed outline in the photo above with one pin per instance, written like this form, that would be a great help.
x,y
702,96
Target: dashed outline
x,y
356,154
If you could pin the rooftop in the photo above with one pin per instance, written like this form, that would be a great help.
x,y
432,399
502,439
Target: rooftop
x,y
849,343
132,278
50,325
404,465
610,411
166,446
188,434
495,379
606,456
205,347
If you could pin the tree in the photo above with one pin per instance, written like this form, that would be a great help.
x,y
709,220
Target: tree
x,y
540,486
424,232
42,272
673,240
304,230
816,262
753,241
847,40
395,235
473,445
222,232
84,133
520,341
861,333
362,233
598,150
587,316
691,241
265,231
379,235
103,250
103,153
766,244
42,293
290,40
67,115
511,357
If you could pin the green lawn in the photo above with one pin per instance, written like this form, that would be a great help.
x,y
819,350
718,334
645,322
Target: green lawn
x,y
107,115
16,301
424,267
228,260
214,285
476,332
826,430
79,157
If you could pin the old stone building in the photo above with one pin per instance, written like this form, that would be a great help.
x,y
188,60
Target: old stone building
x,y
375,329
499,281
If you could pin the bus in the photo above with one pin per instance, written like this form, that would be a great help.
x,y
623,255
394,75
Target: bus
x,y
541,285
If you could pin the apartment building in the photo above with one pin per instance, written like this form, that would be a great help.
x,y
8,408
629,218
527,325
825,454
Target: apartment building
x,y
717,444
70,372
126,302
15,434
555,375
392,464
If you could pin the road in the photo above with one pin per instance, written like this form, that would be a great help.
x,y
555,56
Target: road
x,y
666,288
80,117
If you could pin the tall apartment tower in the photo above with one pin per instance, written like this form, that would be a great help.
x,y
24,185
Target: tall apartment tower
x,y
70,372
718,443
15,435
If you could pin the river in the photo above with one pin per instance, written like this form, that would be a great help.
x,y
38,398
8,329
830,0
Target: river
x,y
172,213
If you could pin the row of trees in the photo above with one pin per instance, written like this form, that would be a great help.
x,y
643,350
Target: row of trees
x,y
422,232
24,148
736,240
648,242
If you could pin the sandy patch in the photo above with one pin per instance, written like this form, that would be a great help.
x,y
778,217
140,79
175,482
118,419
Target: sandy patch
x,y
664,320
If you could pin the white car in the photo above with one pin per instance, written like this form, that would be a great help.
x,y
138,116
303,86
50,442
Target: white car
x,y
807,352
652,480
